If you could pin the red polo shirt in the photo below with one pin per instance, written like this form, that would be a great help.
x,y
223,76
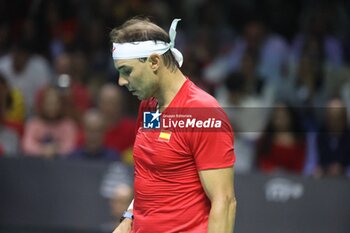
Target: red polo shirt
x,y
168,193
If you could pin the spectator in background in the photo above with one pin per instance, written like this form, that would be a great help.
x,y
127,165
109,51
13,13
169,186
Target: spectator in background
x,y
317,35
269,51
25,71
96,46
246,95
71,70
4,38
120,201
306,89
58,25
311,80
116,187
80,78
121,129
333,141
282,145
316,71
93,148
253,87
51,133
242,107
9,141
15,112
309,83
344,92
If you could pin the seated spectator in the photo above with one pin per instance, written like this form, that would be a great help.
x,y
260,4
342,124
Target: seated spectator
x,y
269,51
9,141
333,141
242,109
282,146
116,186
308,83
316,65
25,71
51,133
74,65
120,201
345,96
312,81
318,35
93,147
70,70
121,130
14,115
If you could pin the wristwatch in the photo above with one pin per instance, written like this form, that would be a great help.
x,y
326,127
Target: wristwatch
x,y
125,215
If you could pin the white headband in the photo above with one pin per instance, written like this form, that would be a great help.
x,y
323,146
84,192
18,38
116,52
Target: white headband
x,y
146,48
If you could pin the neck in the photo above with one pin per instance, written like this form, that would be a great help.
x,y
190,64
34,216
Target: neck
x,y
169,85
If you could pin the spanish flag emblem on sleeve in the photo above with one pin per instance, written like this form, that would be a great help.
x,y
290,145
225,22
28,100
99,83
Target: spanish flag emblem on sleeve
x,y
164,136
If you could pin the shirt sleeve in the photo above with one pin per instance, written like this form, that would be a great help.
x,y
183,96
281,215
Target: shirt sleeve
x,y
213,148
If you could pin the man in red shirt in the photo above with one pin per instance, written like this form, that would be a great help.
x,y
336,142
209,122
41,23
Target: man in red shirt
x,y
183,151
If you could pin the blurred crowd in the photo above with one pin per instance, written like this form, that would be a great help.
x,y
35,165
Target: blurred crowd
x,y
281,70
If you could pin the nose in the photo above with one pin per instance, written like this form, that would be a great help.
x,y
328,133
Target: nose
x,y
122,81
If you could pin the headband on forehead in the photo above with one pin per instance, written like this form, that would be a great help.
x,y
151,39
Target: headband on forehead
x,y
143,49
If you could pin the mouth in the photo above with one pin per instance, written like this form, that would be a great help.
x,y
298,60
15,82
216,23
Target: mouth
x,y
132,91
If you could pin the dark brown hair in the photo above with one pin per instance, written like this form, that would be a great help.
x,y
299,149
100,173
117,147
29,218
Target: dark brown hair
x,y
40,103
142,29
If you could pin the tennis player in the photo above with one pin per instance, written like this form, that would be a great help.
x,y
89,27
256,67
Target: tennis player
x,y
183,176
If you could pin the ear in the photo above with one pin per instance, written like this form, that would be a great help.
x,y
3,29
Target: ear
x,y
154,60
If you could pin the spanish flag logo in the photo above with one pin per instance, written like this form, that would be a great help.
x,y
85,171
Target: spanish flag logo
x,y
164,136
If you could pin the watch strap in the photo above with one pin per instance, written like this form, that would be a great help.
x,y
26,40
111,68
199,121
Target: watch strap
x,y
127,214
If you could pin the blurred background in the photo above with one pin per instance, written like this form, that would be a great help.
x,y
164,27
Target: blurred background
x,y
281,70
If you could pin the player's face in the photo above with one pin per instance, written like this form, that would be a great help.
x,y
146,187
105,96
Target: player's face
x,y
138,77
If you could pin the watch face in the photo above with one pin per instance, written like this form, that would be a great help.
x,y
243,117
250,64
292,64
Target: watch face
x,y
127,214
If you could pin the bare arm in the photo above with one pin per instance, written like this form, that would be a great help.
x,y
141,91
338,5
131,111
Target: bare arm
x,y
218,185
126,225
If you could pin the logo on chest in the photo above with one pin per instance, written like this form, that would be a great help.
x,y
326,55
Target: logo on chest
x,y
151,120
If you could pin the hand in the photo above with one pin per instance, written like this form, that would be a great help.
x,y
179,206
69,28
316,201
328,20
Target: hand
x,y
124,227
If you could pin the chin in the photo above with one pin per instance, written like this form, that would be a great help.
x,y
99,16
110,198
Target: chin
x,y
142,97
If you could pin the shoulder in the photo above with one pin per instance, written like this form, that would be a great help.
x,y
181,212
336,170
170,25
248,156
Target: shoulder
x,y
196,97
201,105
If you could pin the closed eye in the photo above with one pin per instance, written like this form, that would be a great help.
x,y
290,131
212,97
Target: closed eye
x,y
125,71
